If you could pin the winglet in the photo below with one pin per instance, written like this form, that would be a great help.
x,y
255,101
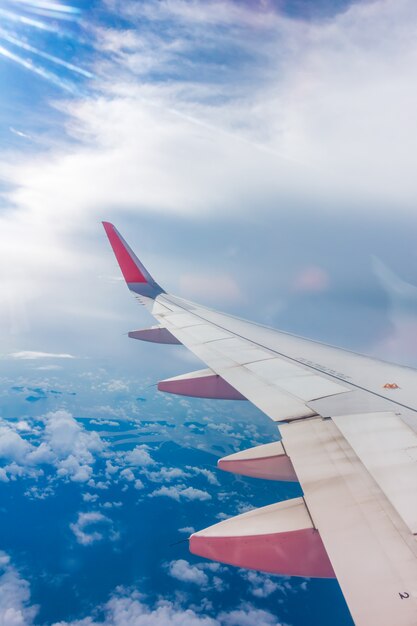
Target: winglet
x,y
135,274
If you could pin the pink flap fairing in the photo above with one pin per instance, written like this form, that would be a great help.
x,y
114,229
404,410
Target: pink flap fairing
x,y
278,467
294,553
154,335
211,386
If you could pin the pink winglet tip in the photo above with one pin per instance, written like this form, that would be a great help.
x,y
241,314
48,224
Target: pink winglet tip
x,y
130,270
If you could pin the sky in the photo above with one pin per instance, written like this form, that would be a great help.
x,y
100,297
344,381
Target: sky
x,y
258,156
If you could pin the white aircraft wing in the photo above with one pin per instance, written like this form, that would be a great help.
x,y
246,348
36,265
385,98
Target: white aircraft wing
x,y
348,427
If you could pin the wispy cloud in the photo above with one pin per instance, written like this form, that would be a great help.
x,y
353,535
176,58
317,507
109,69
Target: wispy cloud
x,y
317,117
31,355
37,69
27,21
23,45
57,7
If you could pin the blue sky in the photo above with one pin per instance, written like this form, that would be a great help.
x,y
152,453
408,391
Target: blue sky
x,y
259,157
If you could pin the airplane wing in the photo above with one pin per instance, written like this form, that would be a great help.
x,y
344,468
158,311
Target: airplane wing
x,y
348,427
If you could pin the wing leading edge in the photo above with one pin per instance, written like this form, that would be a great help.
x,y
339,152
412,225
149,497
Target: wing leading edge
x,y
348,425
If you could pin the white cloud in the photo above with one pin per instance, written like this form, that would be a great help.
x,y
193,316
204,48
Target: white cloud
x,y
23,426
86,528
73,446
111,469
166,149
185,572
12,446
90,497
261,585
139,456
99,484
126,607
15,608
167,474
29,355
249,616
111,505
201,574
181,492
116,385
64,444
208,474
130,609
128,475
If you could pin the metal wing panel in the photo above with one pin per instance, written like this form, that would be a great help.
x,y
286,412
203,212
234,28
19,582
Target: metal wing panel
x,y
348,368
372,551
267,385
387,448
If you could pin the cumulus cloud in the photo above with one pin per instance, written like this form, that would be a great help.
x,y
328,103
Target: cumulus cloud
x,y
126,607
15,607
90,497
64,444
127,474
261,585
130,609
249,616
139,456
12,446
181,492
74,447
167,474
188,530
208,474
92,527
116,385
185,572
